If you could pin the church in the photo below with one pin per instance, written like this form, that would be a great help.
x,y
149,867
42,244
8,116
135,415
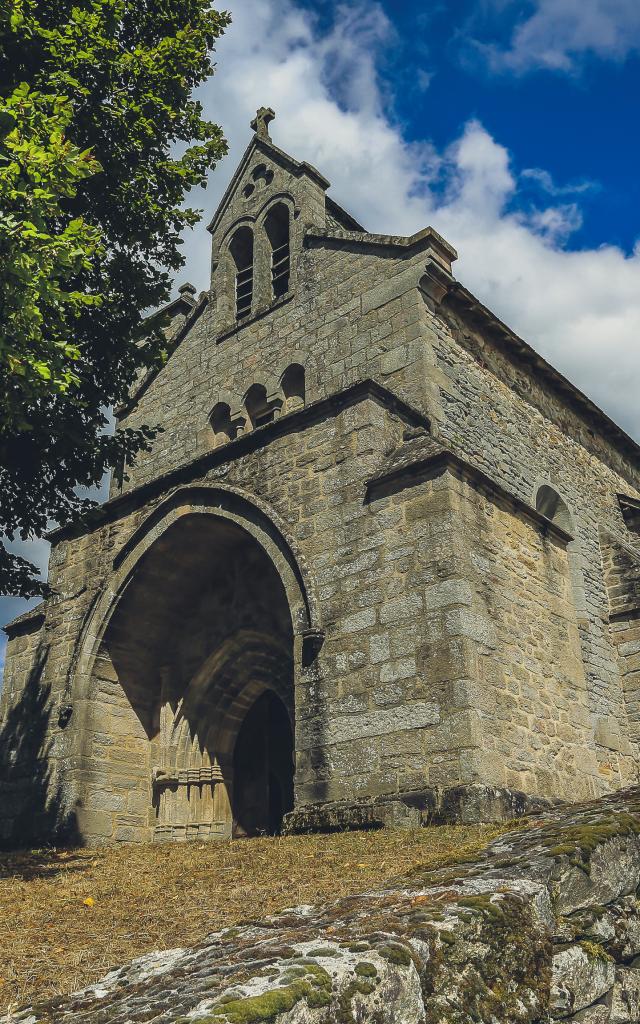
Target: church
x,y
380,566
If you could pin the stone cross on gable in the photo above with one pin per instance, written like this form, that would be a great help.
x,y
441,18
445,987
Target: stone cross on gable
x,y
260,123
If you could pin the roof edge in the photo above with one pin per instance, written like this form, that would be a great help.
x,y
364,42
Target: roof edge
x,y
463,302
340,211
34,617
425,238
446,459
267,146
192,316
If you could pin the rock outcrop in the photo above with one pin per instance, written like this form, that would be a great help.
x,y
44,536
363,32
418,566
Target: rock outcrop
x,y
544,926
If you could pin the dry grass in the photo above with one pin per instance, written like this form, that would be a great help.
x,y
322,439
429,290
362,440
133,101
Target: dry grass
x,y
143,898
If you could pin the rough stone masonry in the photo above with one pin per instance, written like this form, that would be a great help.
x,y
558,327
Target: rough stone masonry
x,y
380,565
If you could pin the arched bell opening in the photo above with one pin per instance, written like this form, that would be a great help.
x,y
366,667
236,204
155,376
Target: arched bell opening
x,y
241,249
277,230
293,387
202,631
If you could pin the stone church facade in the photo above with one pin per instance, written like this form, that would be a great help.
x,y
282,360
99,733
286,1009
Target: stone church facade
x,y
380,566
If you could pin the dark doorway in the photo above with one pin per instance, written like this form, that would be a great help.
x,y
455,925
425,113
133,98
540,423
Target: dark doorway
x,y
263,769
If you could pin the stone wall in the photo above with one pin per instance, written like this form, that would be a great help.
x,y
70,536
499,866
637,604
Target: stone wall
x,y
356,310
528,692
504,417
544,926
621,564
340,334
382,708
25,743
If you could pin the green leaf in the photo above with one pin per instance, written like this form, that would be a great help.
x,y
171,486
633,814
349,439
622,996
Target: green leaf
x,y
96,99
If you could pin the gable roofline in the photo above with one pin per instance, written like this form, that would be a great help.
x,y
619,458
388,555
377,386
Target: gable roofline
x,y
192,313
340,213
445,290
474,312
264,145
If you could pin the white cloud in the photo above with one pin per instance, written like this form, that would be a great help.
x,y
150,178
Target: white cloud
x,y
580,309
558,34
544,180
556,223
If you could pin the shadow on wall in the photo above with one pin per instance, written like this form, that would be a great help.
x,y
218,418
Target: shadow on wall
x,y
31,801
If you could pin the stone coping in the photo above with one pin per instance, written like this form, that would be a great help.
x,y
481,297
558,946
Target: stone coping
x,y
418,459
257,438
425,238
27,622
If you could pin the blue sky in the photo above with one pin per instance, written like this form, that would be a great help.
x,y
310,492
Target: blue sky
x,y
576,115
511,126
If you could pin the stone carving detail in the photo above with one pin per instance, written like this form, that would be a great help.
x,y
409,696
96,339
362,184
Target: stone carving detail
x,y
186,776
189,801
260,123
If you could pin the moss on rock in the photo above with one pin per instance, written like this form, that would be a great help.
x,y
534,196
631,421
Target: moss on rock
x,y
395,953
366,970
314,988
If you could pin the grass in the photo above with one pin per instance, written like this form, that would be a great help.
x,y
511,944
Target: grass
x,y
69,916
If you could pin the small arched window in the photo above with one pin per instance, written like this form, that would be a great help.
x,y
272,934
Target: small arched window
x,y
241,249
259,410
277,228
551,506
293,390
220,420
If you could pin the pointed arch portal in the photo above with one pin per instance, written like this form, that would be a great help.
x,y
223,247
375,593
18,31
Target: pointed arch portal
x,y
200,643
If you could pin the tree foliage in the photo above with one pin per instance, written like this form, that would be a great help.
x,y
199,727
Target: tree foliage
x,y
101,138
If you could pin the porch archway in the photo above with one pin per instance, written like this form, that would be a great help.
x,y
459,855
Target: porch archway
x,y
200,633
